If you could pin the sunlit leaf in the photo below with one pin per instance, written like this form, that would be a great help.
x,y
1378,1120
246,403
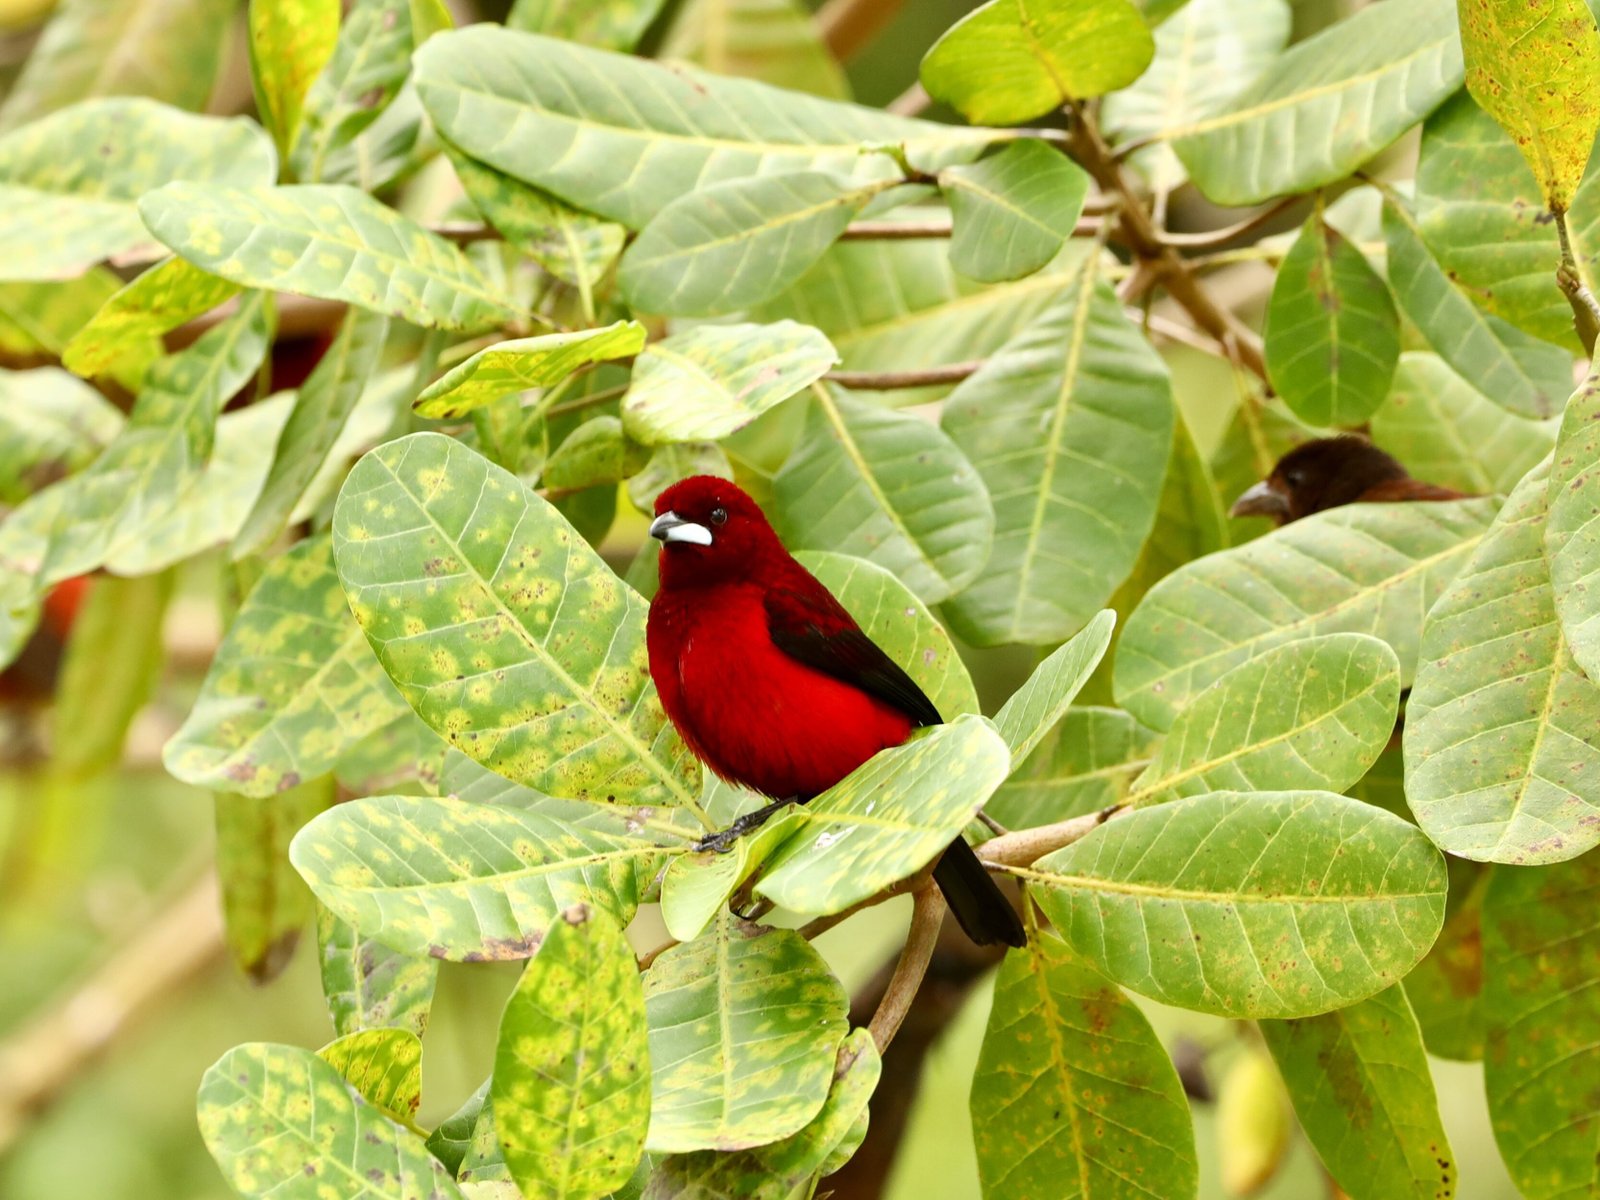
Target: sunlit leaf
x,y
1035,708
612,24
370,61
571,1085
160,300
1326,105
1013,211
1254,1125
51,424
1261,904
523,363
1074,1095
1361,568
775,41
332,242
1085,764
744,1025
281,1122
706,382
1502,737
383,1065
369,986
1540,1008
886,486
1009,61
290,42
1068,424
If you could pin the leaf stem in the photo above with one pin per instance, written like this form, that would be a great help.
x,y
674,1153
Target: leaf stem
x,y
1025,846
1585,309
926,916
888,381
1216,237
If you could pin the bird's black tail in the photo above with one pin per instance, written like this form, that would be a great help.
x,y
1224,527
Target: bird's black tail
x,y
981,908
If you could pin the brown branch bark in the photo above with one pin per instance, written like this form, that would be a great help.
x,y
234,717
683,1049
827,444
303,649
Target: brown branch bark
x,y
847,26
1024,846
888,381
926,916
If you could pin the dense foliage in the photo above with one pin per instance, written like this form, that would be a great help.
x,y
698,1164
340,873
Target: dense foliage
x,y
941,359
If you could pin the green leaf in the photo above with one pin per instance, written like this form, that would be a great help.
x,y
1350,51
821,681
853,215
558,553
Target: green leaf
x,y
706,382
1361,1087
56,220
1009,62
384,1066
290,42
522,363
781,1170
1326,105
264,903
1446,988
1333,336
167,50
1502,753
1446,431
744,1025
1314,713
452,1141
624,137
335,243
1074,1094
888,487
1013,211
39,319
1535,68
369,986
596,454
667,465
610,24
160,300
775,41
323,405
1249,904
371,60
887,305
510,637
1064,424
1513,369
464,882
291,688
1083,765
571,1085
1361,568
51,424
1038,706
696,886
1206,54
736,243
1541,1006
886,820
281,1122
1571,538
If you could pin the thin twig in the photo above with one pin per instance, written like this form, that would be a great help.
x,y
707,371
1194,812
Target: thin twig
x,y
912,102
1216,237
650,956
926,915
464,233
888,231
821,925
888,381
1024,846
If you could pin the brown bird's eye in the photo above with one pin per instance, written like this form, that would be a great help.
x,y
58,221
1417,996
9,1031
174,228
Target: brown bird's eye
x,y
719,516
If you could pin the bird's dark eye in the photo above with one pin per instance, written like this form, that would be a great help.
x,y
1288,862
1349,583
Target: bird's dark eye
x,y
1293,478
719,516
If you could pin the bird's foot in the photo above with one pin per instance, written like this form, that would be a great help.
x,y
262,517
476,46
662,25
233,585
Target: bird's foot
x,y
722,843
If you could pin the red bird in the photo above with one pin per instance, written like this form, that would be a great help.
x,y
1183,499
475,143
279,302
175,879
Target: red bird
x,y
772,683
1328,472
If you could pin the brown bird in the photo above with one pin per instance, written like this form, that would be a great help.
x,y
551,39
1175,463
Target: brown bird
x,y
1328,472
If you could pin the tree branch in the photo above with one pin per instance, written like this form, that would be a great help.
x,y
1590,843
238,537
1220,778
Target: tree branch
x,y
1585,310
888,381
1217,237
1024,846
875,231
926,916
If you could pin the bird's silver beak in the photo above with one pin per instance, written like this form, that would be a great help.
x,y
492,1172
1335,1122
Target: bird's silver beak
x,y
1260,500
669,527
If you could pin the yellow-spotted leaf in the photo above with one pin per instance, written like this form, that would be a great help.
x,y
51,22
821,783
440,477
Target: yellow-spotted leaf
x,y
613,24
369,986
161,299
290,42
371,59
522,363
384,1066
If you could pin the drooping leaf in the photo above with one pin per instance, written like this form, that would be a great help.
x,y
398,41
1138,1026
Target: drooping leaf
x,y
1074,1095
1013,211
1064,424
571,1084
384,1066
1571,537
523,363
1501,742
1009,61
292,686
51,424
1540,1002
1446,431
744,1024
282,1122
369,986
1085,764
1333,336
332,242
1359,1080
1035,708
886,820
464,882
1262,904
1536,69
1362,568
1446,988
508,635
58,218
1313,713
888,487
611,24
635,134
1326,105
1515,370
706,382
775,41
371,60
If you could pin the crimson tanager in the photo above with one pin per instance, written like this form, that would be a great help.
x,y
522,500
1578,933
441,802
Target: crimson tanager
x,y
1328,472
773,685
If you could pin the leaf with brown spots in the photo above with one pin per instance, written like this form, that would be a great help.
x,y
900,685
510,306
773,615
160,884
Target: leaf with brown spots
x,y
384,1065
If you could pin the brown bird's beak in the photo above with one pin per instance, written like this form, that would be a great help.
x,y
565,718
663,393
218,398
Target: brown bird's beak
x,y
1261,500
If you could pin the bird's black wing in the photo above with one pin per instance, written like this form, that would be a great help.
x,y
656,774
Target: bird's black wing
x,y
810,626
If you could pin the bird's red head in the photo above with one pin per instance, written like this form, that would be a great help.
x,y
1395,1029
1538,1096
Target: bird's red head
x,y
710,531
